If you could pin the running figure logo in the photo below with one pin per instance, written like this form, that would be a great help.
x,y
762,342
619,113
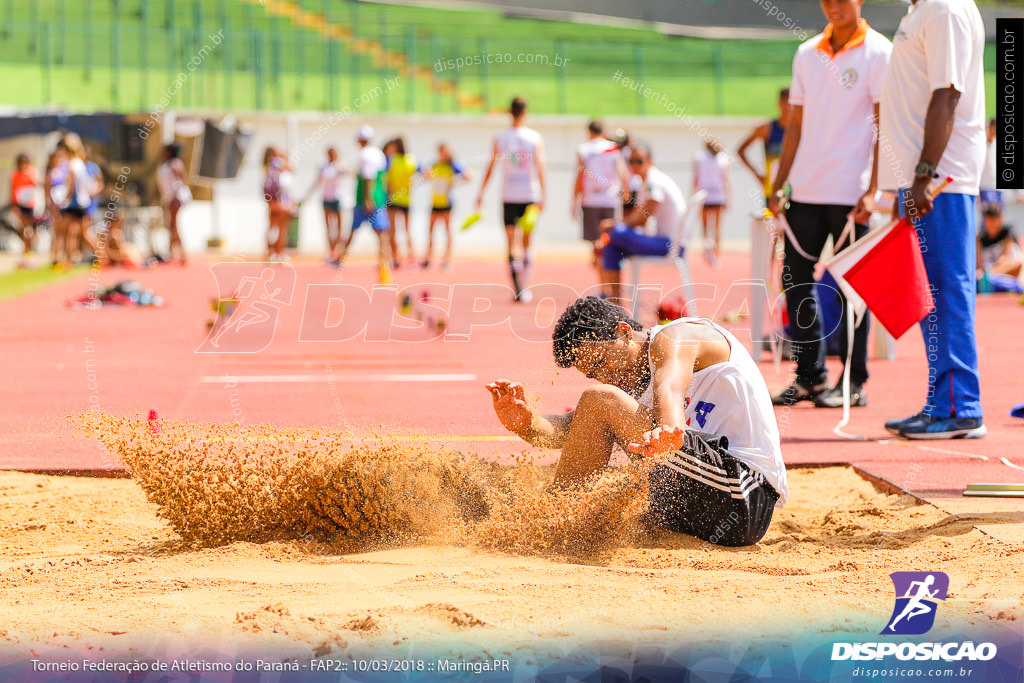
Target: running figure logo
x,y
917,594
250,298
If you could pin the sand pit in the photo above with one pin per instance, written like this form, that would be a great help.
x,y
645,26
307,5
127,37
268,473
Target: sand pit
x,y
89,564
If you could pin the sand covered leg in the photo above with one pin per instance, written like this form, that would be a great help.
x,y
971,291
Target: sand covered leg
x,y
605,414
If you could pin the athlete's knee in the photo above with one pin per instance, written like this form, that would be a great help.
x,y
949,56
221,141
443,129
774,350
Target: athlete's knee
x,y
601,396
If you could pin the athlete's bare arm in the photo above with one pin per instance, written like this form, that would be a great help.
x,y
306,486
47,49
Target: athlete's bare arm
x,y
866,204
317,184
487,175
638,216
759,133
790,143
511,407
676,353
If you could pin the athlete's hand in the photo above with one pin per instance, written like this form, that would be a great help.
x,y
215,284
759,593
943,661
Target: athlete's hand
x,y
663,439
918,200
510,405
775,203
862,212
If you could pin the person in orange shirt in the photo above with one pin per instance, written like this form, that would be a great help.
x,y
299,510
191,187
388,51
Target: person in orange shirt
x,y
24,182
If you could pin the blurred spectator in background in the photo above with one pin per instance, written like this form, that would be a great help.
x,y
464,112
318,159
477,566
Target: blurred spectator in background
x,y
711,174
371,196
659,198
999,254
402,169
521,152
79,196
328,181
443,174
24,182
770,134
277,191
95,174
601,185
55,192
172,182
601,181
988,194
114,250
633,181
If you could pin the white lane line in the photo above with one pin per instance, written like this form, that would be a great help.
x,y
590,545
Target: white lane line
x,y
328,377
1010,464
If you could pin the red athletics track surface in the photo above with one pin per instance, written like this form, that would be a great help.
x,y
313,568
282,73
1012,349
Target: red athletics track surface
x,y
61,361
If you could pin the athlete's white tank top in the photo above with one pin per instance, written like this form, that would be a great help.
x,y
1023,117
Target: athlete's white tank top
x,y
730,399
517,149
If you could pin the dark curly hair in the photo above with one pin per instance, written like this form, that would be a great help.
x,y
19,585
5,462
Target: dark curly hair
x,y
585,320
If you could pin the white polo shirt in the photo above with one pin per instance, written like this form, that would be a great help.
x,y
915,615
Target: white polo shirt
x,y
838,93
939,44
668,217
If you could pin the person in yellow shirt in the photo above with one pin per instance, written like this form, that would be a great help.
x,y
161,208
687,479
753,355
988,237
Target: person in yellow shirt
x,y
401,171
443,174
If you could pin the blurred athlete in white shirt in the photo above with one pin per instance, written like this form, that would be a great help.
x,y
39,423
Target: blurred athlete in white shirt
x,y
328,181
521,152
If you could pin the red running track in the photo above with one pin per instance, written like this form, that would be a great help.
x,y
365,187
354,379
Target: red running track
x,y
128,361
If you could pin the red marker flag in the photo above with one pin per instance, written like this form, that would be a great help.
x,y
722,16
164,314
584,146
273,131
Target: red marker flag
x,y
154,424
885,271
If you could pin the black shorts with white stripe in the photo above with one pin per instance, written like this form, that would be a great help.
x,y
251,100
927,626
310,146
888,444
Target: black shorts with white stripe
x,y
704,491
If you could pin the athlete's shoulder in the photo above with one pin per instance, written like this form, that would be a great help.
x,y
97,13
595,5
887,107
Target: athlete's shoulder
x,y
697,336
963,8
680,328
669,339
809,46
875,41
530,133
656,176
